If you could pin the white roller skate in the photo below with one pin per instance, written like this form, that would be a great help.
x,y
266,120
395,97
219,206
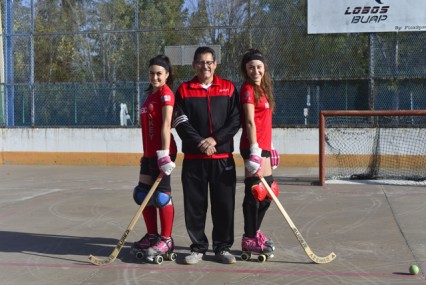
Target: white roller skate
x,y
252,245
161,250
140,247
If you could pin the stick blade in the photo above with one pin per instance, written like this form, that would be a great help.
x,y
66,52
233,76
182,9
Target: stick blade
x,y
97,261
321,260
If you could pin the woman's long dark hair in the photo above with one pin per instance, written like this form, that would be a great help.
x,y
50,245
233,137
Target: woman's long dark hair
x,y
265,84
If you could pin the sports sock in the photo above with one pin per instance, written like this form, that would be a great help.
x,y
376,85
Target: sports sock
x,y
150,217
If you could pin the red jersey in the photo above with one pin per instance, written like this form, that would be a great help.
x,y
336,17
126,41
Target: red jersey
x,y
152,120
262,119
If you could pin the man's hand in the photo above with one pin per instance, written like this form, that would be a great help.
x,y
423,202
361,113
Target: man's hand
x,y
207,146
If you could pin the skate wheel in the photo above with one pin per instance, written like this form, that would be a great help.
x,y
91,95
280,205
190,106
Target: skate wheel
x,y
172,256
262,258
245,256
140,255
158,259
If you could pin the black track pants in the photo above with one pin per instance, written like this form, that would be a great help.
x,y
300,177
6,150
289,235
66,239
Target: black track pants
x,y
253,210
198,177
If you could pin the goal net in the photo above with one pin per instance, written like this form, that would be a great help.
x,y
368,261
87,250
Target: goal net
x,y
379,145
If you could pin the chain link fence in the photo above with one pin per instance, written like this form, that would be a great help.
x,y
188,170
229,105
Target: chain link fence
x,y
75,63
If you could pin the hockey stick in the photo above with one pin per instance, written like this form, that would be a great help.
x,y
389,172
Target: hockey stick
x,y
315,258
120,244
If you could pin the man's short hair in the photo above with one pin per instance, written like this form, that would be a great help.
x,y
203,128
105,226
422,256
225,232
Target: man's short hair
x,y
203,50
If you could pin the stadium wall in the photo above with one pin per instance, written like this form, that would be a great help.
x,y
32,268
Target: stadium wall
x,y
298,147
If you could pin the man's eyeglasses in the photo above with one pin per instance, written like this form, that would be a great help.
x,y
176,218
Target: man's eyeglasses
x,y
202,63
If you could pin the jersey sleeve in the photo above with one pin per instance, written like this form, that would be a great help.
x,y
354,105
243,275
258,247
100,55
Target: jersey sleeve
x,y
167,97
247,94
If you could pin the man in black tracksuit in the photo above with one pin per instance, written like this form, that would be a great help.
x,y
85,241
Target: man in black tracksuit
x,y
207,116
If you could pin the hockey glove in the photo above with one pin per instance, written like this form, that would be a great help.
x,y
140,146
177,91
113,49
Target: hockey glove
x,y
165,164
254,163
275,158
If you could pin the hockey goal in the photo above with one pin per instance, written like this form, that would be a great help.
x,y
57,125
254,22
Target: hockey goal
x,y
366,145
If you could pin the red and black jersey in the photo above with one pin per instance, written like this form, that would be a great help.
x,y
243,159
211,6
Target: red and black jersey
x,y
152,120
262,119
207,112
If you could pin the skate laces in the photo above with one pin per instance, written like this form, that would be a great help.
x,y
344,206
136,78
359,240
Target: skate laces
x,y
163,244
147,240
263,239
252,244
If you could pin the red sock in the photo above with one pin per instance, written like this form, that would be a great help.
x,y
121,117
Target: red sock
x,y
167,214
150,217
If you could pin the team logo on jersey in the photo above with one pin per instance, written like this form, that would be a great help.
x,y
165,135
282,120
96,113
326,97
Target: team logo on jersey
x,y
144,110
166,98
266,105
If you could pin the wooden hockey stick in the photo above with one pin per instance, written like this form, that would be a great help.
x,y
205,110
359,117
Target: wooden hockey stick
x,y
315,258
120,244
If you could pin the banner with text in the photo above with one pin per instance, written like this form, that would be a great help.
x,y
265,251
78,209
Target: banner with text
x,y
365,16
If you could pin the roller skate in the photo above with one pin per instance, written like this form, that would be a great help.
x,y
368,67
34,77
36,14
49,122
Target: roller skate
x,y
140,247
265,240
161,250
252,246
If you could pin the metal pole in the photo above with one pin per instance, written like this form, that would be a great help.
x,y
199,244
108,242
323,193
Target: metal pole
x,y
249,24
2,106
9,68
137,64
32,87
371,70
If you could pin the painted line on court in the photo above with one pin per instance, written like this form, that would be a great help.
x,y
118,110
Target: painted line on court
x,y
185,268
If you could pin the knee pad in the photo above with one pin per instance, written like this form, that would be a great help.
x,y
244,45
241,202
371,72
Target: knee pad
x,y
259,191
160,199
275,190
256,188
140,192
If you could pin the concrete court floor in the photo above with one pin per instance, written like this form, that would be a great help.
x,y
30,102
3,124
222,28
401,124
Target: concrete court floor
x,y
53,217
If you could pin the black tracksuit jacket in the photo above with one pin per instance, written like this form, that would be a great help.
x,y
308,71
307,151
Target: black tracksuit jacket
x,y
201,113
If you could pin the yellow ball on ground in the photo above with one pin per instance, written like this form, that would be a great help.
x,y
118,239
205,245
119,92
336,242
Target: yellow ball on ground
x,y
414,269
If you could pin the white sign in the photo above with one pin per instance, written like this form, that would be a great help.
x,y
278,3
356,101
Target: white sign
x,y
183,55
365,16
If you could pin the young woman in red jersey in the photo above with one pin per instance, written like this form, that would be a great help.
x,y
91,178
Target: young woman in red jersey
x,y
260,157
159,154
